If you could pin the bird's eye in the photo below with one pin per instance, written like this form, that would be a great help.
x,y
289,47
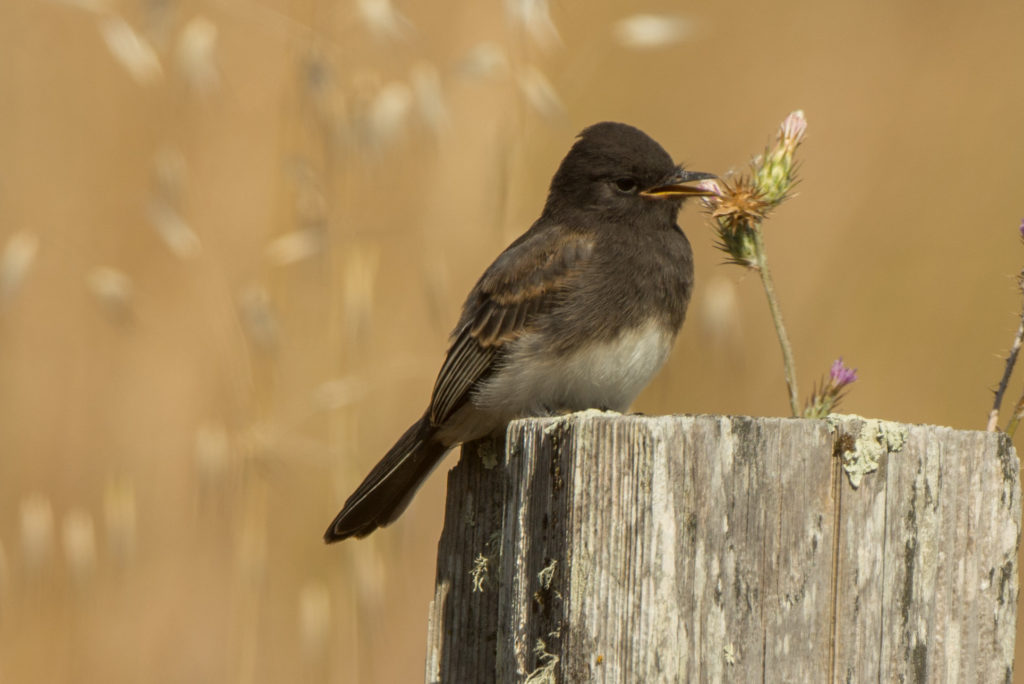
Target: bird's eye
x,y
626,185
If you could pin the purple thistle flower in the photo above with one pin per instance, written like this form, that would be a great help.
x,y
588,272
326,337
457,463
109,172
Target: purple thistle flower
x,y
841,375
1021,229
829,393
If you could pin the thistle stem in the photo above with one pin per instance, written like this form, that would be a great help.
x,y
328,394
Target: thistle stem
x,y
1011,360
780,329
1011,427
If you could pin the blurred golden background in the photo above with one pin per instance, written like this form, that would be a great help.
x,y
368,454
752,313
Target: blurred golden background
x,y
235,236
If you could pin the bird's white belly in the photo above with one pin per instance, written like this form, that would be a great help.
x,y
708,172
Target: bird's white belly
x,y
606,375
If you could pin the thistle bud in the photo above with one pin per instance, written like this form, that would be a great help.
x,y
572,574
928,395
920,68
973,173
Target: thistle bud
x,y
774,171
737,209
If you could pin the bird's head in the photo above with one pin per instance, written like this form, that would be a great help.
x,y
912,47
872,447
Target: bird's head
x,y
620,173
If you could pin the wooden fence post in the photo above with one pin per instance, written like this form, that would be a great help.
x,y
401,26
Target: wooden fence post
x,y
612,548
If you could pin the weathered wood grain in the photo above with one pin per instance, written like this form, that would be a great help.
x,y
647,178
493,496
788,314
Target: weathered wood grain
x,y
711,548
860,559
463,626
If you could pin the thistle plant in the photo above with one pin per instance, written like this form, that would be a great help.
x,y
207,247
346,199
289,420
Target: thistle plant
x,y
738,210
1011,360
829,392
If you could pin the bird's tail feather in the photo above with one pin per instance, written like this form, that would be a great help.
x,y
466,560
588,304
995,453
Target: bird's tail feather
x,y
389,487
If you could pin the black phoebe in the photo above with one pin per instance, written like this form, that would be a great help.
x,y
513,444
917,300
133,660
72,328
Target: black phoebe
x,y
579,312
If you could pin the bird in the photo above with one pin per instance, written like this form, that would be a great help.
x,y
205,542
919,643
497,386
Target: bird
x,y
579,312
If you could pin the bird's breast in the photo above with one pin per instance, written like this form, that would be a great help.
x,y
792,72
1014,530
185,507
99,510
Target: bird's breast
x,y
603,373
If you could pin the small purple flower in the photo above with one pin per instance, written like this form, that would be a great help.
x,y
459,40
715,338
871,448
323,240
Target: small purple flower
x,y
1021,229
715,189
841,375
829,393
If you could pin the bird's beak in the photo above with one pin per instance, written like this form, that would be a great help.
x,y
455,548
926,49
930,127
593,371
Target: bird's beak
x,y
675,185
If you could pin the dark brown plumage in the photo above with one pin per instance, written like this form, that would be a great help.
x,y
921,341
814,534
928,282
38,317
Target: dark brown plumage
x,y
579,312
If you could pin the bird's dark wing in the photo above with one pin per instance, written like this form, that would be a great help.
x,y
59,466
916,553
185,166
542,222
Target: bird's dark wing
x,y
525,280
